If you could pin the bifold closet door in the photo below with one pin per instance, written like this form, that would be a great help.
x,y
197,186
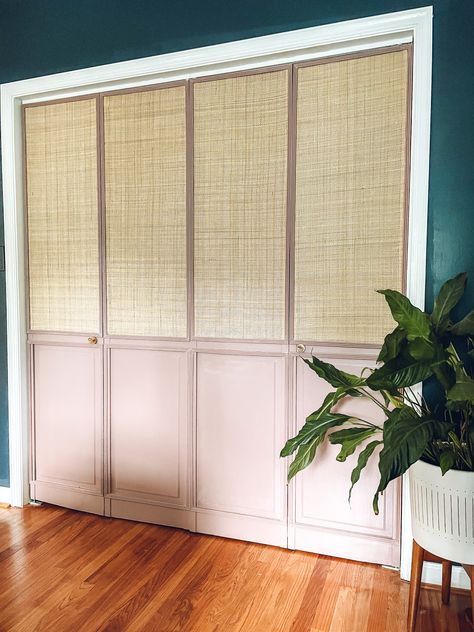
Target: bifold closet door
x,y
240,193
148,366
350,222
242,218
64,302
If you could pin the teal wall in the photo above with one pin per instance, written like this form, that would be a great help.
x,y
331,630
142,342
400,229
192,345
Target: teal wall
x,y
39,37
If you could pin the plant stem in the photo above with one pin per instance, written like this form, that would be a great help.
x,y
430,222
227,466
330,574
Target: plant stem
x,y
366,423
375,400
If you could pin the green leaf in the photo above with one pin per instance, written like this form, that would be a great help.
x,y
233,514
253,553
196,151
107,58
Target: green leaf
x,y
449,296
399,373
313,428
415,322
447,459
463,389
456,441
397,401
464,327
422,349
440,430
392,345
336,377
313,433
405,437
304,457
364,456
311,439
350,438
445,374
318,422
427,350
470,440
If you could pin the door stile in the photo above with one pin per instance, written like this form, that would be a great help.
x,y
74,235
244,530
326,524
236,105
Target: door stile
x,y
106,429
101,204
190,206
29,355
409,120
26,248
103,302
193,479
290,236
31,421
192,355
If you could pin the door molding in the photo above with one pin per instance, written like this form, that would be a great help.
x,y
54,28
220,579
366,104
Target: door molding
x,y
414,25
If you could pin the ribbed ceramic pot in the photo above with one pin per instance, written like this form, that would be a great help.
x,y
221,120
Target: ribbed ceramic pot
x,y
442,511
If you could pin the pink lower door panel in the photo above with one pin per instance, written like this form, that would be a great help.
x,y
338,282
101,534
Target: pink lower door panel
x,y
323,521
67,425
240,426
148,434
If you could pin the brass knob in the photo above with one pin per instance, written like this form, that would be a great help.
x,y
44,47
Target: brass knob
x,y
92,340
300,348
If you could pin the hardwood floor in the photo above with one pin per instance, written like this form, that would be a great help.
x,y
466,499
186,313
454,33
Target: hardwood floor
x,y
64,571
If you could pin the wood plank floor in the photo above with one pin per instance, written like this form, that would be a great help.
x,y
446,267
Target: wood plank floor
x,y
65,571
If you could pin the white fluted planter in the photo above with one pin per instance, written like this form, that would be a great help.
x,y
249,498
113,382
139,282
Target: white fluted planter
x,y
442,511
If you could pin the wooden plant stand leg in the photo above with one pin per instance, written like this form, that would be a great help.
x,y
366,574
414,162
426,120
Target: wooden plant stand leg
x,y
446,582
469,568
415,583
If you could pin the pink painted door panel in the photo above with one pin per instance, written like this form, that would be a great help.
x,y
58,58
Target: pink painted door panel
x,y
67,416
148,425
240,428
325,522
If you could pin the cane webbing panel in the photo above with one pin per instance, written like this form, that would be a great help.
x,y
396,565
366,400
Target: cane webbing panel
x,y
240,162
63,251
145,193
350,196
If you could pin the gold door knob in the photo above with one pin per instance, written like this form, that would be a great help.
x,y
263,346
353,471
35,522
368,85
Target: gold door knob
x,y
300,348
92,340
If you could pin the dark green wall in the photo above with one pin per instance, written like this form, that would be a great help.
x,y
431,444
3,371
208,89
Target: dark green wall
x,y
39,37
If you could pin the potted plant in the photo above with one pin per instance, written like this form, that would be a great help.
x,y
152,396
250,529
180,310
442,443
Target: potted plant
x,y
436,441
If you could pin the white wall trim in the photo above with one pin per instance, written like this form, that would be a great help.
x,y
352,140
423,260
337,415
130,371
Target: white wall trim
x,y
291,46
418,219
432,575
5,495
309,43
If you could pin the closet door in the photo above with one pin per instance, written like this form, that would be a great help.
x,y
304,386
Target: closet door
x,y
350,210
64,302
147,304
240,194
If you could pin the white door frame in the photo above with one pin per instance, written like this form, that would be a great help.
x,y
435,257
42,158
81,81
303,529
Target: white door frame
x,y
414,25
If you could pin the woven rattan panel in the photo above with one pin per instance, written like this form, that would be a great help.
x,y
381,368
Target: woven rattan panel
x,y
240,162
350,196
63,251
145,198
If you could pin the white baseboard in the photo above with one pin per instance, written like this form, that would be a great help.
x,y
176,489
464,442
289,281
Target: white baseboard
x,y
5,496
432,575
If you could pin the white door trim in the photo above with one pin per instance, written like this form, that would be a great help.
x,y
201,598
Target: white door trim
x,y
309,43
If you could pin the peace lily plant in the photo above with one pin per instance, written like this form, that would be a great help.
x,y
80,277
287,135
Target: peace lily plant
x,y
421,346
